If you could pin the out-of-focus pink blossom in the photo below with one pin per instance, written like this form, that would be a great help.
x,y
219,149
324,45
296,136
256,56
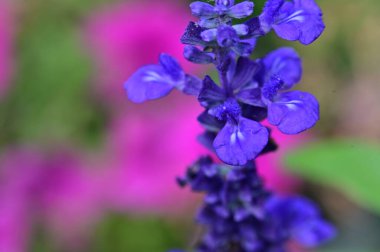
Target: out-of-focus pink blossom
x,y
19,172
147,151
270,166
71,201
14,225
54,189
149,144
6,32
126,36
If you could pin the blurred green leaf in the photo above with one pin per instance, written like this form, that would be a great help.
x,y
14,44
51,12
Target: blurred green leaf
x,y
353,167
342,64
40,241
51,97
118,233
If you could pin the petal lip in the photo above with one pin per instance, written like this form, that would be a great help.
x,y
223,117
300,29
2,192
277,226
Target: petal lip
x,y
294,112
148,83
300,20
237,144
293,20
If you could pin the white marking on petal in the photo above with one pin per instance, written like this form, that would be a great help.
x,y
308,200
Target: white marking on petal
x,y
209,35
240,136
292,105
233,138
152,76
295,16
241,29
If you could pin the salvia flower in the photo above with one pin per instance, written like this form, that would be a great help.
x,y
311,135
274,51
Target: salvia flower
x,y
156,81
293,20
291,111
239,214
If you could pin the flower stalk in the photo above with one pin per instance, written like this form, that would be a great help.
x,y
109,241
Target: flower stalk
x,y
238,212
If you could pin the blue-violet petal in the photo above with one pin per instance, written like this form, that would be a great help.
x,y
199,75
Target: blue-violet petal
x,y
237,143
294,112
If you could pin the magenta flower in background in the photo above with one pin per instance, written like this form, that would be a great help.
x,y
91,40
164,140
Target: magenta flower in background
x,y
69,191
6,32
125,36
144,153
147,151
48,189
19,173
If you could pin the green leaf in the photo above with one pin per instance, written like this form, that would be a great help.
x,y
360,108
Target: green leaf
x,y
351,166
51,100
119,233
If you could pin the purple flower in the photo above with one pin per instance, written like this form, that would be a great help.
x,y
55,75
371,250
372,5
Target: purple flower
x,y
293,20
293,111
215,29
240,141
240,213
300,217
231,208
223,11
156,81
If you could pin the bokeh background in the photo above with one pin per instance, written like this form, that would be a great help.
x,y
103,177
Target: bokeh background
x,y
82,169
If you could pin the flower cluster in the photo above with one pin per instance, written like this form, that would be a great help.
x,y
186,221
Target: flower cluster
x,y
242,216
239,213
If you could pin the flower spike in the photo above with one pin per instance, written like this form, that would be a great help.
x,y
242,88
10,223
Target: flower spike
x,y
238,212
